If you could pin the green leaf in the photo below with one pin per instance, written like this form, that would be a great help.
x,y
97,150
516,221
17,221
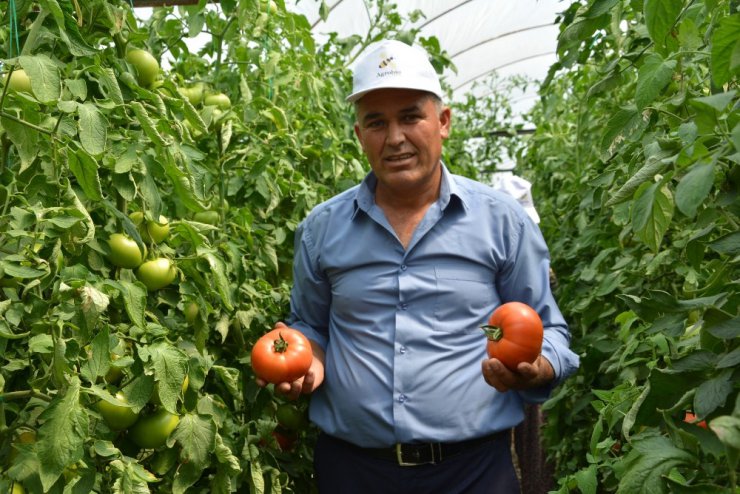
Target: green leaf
x,y
63,13
170,366
586,480
92,304
625,125
225,456
134,300
44,74
25,140
717,102
727,429
108,84
725,43
653,76
218,270
730,359
713,393
652,458
197,435
652,213
131,477
729,244
725,330
660,16
186,475
62,435
147,124
98,362
694,188
85,169
92,127
20,271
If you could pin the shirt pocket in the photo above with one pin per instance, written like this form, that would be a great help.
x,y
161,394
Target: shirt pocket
x,y
464,297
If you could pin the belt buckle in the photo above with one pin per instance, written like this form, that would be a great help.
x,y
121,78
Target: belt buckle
x,y
435,457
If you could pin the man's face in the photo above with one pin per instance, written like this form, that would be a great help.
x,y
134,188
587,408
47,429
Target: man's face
x,y
401,132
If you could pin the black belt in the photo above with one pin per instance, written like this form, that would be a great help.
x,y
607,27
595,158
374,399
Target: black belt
x,y
412,454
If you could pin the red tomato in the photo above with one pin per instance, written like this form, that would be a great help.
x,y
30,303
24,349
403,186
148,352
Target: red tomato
x,y
514,333
691,419
282,355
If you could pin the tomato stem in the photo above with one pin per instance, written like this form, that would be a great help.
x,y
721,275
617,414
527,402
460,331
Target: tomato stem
x,y
494,333
280,345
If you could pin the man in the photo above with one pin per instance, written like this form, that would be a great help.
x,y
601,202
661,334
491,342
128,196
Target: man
x,y
393,279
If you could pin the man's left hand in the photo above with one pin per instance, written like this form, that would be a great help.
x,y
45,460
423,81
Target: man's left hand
x,y
536,374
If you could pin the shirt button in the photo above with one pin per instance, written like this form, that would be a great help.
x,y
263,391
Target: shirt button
x,y
404,306
403,267
402,350
401,398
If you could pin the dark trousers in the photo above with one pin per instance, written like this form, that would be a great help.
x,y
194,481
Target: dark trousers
x,y
484,469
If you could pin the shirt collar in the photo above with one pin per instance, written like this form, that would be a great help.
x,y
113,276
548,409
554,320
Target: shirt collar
x,y
449,189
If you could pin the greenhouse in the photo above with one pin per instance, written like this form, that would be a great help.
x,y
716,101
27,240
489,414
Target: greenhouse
x,y
317,246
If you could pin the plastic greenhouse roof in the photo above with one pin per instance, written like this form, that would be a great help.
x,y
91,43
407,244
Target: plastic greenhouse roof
x,y
482,37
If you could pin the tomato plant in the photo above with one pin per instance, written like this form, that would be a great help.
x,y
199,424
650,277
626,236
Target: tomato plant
x,y
281,355
94,151
515,333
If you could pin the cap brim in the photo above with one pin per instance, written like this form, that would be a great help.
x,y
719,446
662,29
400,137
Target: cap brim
x,y
418,87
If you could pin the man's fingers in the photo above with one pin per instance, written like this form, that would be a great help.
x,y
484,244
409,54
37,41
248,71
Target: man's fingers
x,y
493,373
308,381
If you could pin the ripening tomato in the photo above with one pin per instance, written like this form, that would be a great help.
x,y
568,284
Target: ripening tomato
x,y
514,333
152,431
281,355
690,418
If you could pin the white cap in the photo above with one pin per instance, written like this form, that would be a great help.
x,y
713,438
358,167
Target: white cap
x,y
393,64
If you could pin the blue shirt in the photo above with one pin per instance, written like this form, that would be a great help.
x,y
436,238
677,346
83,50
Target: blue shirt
x,y
401,327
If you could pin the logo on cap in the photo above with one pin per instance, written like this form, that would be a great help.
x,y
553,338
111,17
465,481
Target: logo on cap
x,y
386,61
387,66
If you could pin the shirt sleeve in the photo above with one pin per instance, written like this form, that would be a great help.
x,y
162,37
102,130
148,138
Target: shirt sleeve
x,y
525,278
310,297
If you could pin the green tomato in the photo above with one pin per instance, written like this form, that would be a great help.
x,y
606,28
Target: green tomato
x,y
19,81
152,431
158,230
18,488
157,273
290,417
219,100
208,217
117,417
194,94
145,64
191,312
125,252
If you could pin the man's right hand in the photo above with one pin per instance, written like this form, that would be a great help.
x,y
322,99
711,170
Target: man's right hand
x,y
306,384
